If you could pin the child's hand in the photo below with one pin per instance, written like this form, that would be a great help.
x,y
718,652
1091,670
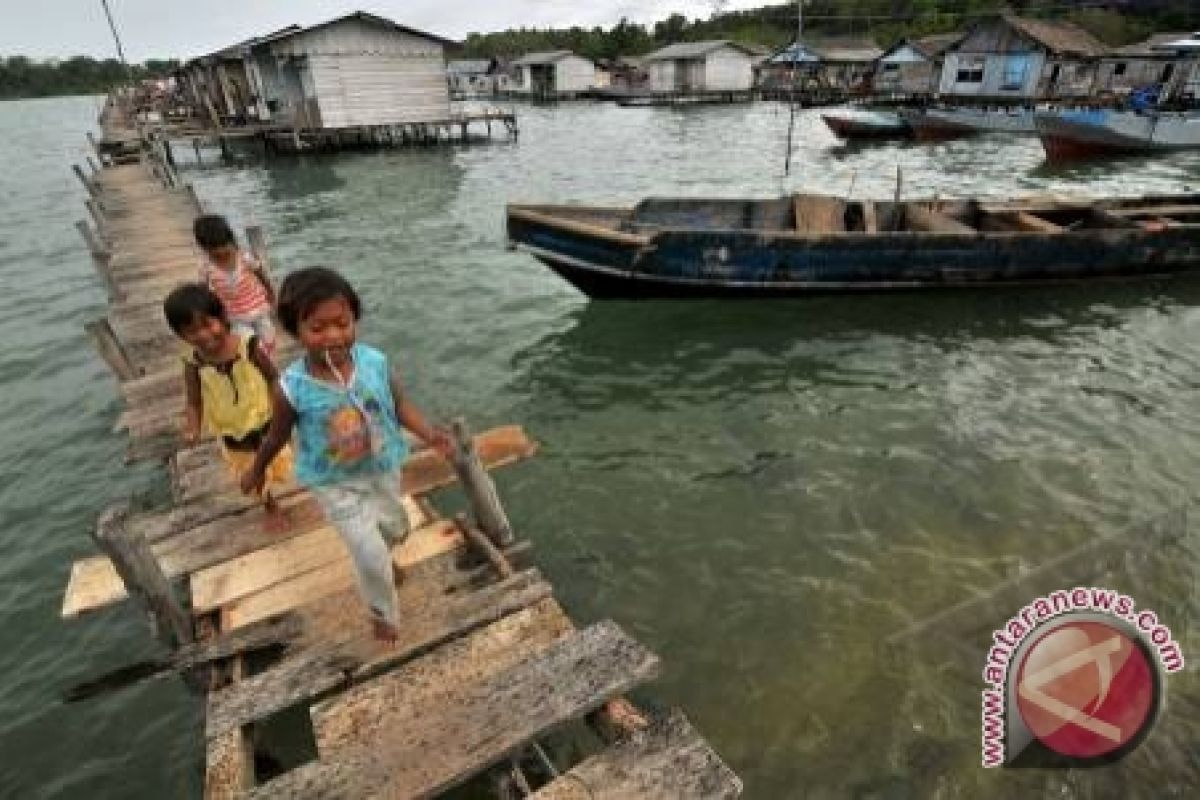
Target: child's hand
x,y
442,442
252,482
191,433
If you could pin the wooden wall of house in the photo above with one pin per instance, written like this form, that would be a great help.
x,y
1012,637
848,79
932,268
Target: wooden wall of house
x,y
662,76
1138,72
355,73
915,77
379,89
996,74
728,69
574,74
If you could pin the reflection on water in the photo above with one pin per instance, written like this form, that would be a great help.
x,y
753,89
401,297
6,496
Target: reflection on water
x,y
763,492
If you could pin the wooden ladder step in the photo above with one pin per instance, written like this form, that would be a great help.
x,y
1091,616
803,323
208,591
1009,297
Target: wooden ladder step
x,y
333,660
440,739
668,761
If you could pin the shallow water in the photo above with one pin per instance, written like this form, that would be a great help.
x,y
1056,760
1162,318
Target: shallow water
x,y
761,492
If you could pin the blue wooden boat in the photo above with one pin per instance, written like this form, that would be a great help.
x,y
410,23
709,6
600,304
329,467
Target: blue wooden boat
x,y
808,244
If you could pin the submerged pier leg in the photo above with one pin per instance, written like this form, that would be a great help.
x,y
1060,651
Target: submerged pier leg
x,y
143,577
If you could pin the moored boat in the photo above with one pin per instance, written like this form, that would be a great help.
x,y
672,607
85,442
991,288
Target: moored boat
x,y
938,124
1090,133
861,123
809,244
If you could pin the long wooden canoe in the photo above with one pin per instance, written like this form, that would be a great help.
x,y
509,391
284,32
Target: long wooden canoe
x,y
808,244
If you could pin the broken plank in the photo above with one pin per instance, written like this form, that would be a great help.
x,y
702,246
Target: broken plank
x,y
223,583
352,717
667,761
434,539
328,664
474,726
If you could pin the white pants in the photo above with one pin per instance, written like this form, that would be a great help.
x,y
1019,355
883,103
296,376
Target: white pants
x,y
369,514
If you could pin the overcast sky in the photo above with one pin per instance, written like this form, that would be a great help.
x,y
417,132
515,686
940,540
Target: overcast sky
x,y
182,28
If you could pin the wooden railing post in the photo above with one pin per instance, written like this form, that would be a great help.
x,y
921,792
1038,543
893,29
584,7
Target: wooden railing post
x,y
83,178
110,349
195,198
143,577
95,246
481,492
97,216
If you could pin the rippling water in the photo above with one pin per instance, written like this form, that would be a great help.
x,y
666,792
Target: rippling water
x,y
759,491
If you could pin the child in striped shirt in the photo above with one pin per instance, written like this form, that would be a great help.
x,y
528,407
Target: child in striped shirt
x,y
237,278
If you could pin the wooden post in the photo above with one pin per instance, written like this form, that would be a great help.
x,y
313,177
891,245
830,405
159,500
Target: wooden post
x,y
195,198
258,246
478,540
97,216
94,244
143,577
481,492
83,178
196,147
94,166
92,141
110,349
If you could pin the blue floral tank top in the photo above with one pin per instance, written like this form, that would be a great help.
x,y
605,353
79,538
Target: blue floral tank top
x,y
344,432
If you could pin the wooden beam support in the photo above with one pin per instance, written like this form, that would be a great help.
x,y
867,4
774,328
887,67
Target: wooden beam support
x,y
87,182
110,349
480,490
144,579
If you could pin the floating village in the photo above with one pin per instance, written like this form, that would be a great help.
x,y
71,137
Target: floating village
x,y
487,663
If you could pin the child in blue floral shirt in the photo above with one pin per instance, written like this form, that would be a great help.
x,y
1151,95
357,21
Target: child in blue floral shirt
x,y
346,408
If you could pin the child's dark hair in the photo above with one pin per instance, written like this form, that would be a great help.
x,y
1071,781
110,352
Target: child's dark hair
x,y
212,231
304,289
185,303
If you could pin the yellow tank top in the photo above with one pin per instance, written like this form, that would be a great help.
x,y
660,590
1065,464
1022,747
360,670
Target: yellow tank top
x,y
237,399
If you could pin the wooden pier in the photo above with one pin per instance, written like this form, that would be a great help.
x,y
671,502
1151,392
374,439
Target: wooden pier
x,y
488,665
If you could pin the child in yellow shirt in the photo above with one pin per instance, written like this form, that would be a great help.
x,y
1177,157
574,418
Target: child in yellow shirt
x,y
227,379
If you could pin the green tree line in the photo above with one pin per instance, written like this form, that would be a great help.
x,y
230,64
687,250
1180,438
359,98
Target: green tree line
x,y
886,21
22,77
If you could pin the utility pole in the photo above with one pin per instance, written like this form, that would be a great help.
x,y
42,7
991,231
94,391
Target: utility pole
x,y
116,36
799,20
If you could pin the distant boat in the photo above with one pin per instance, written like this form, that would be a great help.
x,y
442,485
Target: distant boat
x,y
862,123
1084,134
938,124
809,244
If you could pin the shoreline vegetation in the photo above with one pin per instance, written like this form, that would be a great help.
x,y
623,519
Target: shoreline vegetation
x,y
23,78
1116,22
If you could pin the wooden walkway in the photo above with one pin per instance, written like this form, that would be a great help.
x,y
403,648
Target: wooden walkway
x,y
487,665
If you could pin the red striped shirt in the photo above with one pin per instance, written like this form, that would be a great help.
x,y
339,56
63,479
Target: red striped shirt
x,y
240,290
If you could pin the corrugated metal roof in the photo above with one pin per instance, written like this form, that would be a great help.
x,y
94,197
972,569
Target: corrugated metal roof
x,y
933,46
548,57
692,50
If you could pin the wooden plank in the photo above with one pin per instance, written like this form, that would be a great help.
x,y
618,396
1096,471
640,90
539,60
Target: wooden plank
x,y
218,527
223,583
870,217
1034,224
424,471
817,214
337,576
332,662
474,726
667,761
917,218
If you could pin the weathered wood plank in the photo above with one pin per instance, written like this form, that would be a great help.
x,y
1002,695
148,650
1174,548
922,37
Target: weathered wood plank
x,y
667,761
330,663
215,528
336,576
815,214
215,586
472,727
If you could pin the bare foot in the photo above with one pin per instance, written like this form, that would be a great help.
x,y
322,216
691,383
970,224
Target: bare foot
x,y
384,631
277,520
624,715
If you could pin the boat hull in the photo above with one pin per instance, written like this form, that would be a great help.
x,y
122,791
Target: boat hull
x,y
867,126
1078,135
747,263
